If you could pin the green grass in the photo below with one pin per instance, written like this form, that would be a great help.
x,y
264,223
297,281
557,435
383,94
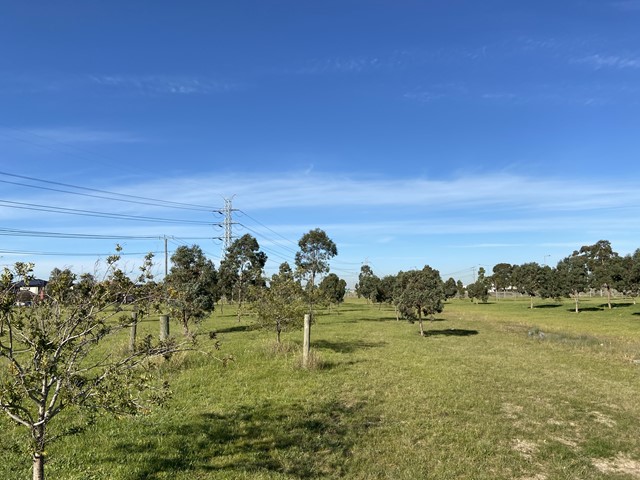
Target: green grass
x,y
495,391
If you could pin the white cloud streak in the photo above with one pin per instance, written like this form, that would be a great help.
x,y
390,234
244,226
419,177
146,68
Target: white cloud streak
x,y
163,84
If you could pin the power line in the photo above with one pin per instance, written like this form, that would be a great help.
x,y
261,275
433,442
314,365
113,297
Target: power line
x,y
103,197
124,195
91,213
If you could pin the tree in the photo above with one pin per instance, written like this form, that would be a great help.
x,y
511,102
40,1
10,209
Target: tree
x,y
60,285
333,289
502,277
603,264
528,279
461,290
242,269
450,288
316,250
631,274
191,286
368,284
49,363
573,277
422,295
387,284
281,305
480,288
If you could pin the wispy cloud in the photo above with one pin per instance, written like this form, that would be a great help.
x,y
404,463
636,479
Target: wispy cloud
x,y
163,84
599,61
299,190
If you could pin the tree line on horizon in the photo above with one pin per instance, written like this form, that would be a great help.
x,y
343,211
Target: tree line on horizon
x,y
594,267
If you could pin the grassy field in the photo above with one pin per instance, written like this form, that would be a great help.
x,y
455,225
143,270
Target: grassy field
x,y
495,391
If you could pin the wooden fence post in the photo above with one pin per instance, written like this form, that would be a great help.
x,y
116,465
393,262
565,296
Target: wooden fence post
x,y
164,327
306,341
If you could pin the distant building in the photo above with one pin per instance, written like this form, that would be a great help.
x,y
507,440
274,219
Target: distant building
x,y
34,289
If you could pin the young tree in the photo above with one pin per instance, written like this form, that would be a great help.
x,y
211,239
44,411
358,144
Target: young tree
x,y
60,285
281,305
242,270
48,363
450,288
368,284
461,290
333,289
422,295
191,286
480,288
316,250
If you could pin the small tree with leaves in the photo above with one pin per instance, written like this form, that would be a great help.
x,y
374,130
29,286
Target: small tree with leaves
x,y
48,363
312,260
242,270
333,289
422,294
191,291
280,306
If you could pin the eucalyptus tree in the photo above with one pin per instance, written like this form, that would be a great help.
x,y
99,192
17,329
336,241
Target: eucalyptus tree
x,y
502,273
604,266
333,289
423,294
387,284
368,285
242,270
316,250
480,288
191,286
528,279
631,274
573,277
50,363
450,288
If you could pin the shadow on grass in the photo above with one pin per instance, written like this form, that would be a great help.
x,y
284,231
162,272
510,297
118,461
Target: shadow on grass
x,y
236,328
381,318
548,305
450,332
296,441
347,347
586,309
617,305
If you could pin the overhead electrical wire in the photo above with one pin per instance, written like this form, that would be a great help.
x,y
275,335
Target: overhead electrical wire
x,y
157,202
91,213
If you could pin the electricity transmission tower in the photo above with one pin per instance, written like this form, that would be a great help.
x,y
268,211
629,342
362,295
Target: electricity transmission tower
x,y
228,222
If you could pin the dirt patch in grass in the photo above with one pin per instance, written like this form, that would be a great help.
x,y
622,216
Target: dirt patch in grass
x,y
620,464
526,448
603,419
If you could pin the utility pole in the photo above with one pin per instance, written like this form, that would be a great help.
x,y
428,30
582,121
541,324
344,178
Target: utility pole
x,y
166,257
228,222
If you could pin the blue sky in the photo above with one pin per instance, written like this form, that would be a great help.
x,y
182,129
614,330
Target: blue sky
x,y
452,133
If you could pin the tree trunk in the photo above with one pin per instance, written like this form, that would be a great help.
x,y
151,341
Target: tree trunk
x,y
38,466
133,332
531,302
609,296
576,297
420,322
278,330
